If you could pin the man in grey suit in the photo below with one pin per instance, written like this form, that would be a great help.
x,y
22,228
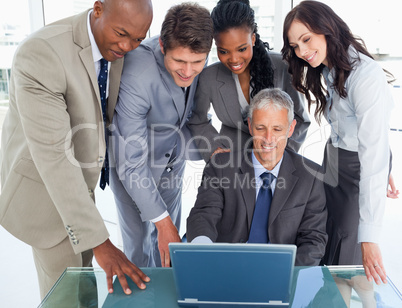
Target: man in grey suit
x,y
226,201
149,141
53,139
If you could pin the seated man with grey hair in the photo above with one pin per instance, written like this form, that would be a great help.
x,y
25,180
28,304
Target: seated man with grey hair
x,y
264,194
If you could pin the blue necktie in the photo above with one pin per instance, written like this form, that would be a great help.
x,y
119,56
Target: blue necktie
x,y
259,224
102,81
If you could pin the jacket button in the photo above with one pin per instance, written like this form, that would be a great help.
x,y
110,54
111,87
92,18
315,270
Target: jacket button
x,y
167,155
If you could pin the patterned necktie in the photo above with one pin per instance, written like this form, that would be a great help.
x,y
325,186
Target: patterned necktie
x,y
259,224
102,81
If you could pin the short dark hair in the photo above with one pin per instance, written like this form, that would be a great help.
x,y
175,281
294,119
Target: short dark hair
x,y
187,25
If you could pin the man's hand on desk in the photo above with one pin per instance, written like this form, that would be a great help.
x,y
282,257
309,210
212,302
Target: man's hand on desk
x,y
167,233
114,262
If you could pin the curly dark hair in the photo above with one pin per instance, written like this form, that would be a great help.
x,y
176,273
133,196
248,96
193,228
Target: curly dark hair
x,y
229,14
319,18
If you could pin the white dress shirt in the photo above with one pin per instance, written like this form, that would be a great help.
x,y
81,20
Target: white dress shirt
x,y
259,169
244,105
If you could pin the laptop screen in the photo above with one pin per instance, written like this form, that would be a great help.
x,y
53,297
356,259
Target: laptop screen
x,y
232,273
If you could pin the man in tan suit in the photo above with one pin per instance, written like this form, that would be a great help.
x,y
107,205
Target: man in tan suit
x,y
53,141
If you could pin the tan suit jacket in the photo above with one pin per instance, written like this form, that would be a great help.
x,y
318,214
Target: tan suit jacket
x,y
53,142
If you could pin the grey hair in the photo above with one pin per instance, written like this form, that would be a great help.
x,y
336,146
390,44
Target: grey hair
x,y
272,97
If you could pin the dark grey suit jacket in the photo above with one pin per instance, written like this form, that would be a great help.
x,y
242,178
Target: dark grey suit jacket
x,y
226,197
217,88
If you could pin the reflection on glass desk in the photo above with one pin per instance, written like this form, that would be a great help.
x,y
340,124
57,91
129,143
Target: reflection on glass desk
x,y
312,287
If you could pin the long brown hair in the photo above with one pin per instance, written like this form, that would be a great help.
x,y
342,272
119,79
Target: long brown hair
x,y
319,18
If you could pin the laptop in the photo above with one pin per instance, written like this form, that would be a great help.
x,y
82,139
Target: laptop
x,y
232,275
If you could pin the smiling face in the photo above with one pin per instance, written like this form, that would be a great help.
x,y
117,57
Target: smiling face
x,y
119,26
309,46
183,64
270,130
235,48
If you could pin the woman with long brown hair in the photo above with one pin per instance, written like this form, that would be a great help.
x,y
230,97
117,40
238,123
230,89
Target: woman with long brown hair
x,y
334,70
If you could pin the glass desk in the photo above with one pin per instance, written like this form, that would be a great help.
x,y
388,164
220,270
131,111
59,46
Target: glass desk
x,y
312,287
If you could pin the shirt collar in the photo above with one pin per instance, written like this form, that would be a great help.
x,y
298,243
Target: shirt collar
x,y
259,169
95,50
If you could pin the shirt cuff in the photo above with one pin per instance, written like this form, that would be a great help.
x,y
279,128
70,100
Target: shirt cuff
x,y
202,239
159,218
369,233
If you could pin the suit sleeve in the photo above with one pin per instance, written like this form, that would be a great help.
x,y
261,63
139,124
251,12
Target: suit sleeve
x,y
207,211
311,234
41,84
206,137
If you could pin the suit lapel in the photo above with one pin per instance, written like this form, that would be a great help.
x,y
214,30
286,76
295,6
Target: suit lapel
x,y
87,60
230,97
285,184
80,37
248,188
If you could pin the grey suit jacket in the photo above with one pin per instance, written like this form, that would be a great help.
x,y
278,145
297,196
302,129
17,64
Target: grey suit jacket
x,y
217,87
53,140
226,198
149,126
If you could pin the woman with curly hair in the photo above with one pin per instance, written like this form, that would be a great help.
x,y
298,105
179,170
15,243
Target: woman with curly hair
x,y
246,66
337,74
